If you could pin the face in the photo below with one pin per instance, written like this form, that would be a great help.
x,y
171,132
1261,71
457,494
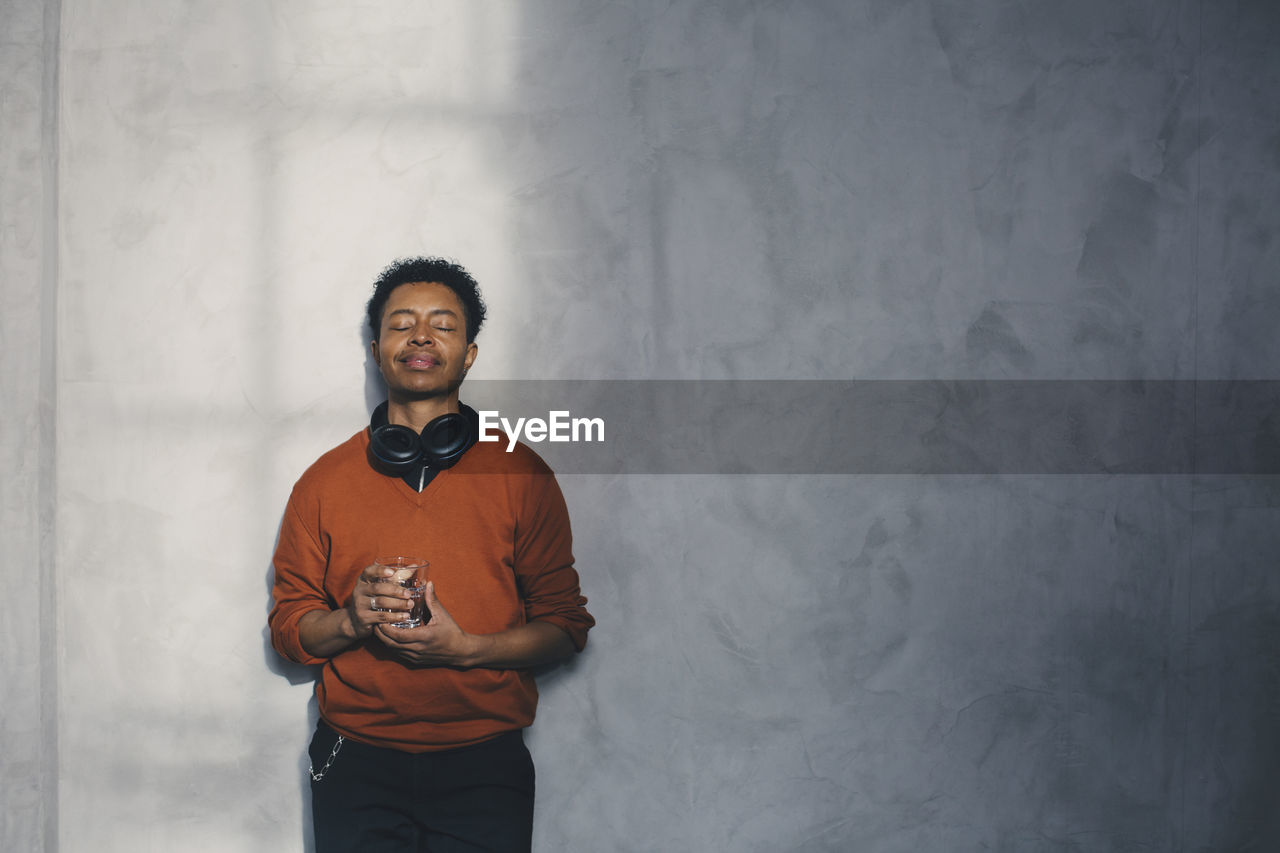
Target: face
x,y
422,348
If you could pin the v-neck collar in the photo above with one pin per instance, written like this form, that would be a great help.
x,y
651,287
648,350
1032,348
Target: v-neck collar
x,y
412,495
421,479
400,485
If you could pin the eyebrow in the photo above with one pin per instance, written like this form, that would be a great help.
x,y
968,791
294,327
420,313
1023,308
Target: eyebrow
x,y
433,312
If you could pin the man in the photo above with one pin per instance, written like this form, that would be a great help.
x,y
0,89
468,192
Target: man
x,y
419,745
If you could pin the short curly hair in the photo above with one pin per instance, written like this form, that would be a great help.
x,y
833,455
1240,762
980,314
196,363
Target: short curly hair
x,y
437,270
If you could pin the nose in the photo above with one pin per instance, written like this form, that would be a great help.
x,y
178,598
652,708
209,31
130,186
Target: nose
x,y
421,334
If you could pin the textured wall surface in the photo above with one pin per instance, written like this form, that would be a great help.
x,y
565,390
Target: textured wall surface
x,y
916,190
28,671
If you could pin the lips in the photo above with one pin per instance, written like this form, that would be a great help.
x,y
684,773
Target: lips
x,y
419,362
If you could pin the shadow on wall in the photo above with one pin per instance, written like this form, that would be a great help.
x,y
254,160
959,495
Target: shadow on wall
x,y
294,673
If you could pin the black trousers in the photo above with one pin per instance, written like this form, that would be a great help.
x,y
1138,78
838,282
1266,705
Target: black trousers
x,y
468,800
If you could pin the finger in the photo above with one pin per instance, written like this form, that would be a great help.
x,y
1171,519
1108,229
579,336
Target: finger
x,y
432,604
387,609
394,602
390,596
392,635
375,573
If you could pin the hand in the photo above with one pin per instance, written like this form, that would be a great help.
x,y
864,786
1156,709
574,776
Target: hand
x,y
376,600
437,642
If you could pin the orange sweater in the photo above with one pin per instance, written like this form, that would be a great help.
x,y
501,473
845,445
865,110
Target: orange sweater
x,y
500,551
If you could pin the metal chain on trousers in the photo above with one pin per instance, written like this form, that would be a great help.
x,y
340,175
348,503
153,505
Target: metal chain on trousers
x,y
311,768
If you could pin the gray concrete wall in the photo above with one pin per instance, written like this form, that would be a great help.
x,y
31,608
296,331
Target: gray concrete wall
x,y
679,190
28,278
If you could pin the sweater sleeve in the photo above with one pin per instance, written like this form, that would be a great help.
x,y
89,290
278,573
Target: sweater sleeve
x,y
544,562
298,588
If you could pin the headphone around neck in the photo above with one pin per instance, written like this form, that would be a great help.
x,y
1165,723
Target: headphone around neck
x,y
397,450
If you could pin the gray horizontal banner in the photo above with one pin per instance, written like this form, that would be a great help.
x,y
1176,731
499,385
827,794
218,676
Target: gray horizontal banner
x,y
888,426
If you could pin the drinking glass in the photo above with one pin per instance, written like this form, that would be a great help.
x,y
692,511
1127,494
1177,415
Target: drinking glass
x,y
410,573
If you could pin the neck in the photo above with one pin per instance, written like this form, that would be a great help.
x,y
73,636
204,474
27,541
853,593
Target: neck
x,y
416,414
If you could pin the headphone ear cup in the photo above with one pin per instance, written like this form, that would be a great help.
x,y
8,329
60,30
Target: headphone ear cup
x,y
395,448
445,439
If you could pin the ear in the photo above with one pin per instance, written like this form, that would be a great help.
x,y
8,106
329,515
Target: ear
x,y
470,358
373,348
